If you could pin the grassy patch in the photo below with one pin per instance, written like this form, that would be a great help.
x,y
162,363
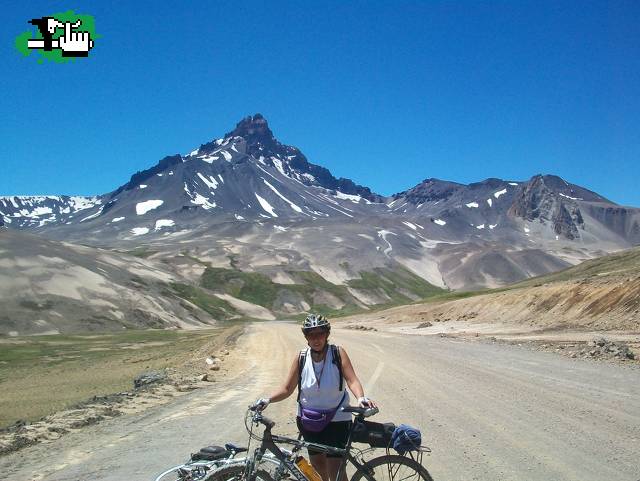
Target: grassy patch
x,y
43,374
141,251
393,283
249,286
218,308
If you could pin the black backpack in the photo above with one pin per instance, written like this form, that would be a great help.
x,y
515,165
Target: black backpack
x,y
337,360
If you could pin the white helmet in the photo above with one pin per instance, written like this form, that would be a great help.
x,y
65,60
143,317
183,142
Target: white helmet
x,y
314,320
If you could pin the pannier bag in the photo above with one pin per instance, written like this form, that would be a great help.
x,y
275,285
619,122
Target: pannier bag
x,y
405,438
377,435
210,453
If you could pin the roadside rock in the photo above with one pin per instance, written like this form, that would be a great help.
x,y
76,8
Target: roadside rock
x,y
422,325
360,327
149,377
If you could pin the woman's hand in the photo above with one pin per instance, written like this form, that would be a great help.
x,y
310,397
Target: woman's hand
x,y
261,404
365,402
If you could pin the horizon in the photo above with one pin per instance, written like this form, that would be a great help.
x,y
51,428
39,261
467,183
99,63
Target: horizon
x,y
384,95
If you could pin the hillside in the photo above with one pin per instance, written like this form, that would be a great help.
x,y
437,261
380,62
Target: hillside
x,y
599,294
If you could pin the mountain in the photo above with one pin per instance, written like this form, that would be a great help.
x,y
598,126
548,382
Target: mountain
x,y
247,219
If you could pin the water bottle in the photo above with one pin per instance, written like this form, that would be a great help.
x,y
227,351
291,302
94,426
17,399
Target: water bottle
x,y
308,470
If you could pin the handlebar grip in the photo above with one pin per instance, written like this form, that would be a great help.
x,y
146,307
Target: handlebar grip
x,y
267,422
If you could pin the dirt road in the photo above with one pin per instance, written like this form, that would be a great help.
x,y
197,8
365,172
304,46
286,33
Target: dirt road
x,y
488,411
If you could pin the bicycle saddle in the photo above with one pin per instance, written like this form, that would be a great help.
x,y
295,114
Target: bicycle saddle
x,y
234,448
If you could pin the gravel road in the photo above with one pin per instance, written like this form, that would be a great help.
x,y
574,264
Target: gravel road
x,y
488,411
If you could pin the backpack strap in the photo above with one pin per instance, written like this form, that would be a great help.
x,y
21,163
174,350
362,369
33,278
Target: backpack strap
x,y
337,360
302,358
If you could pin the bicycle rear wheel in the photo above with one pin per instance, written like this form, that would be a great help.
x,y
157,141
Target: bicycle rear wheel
x,y
393,467
235,472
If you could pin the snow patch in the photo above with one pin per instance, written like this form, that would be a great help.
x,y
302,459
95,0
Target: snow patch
x,y
280,228
239,217
211,182
493,226
117,219
440,222
472,205
513,183
352,198
143,186
490,202
140,230
265,205
278,163
499,193
160,223
227,155
383,235
209,158
410,225
569,197
144,207
481,226
293,206
93,216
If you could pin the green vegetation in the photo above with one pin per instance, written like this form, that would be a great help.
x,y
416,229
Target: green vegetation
x,y
249,286
73,368
400,285
218,308
394,283
141,251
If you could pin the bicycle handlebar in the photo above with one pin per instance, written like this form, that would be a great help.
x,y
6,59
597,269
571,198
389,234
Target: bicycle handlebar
x,y
364,412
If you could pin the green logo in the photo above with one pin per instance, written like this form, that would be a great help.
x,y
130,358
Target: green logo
x,y
59,37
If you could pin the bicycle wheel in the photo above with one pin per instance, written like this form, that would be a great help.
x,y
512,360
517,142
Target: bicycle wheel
x,y
393,468
235,472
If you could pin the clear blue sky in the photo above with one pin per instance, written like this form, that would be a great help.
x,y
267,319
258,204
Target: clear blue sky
x,y
385,93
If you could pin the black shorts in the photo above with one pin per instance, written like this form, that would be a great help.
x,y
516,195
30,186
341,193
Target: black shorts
x,y
335,434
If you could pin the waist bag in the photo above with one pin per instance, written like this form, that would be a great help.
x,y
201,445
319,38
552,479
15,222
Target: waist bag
x,y
315,420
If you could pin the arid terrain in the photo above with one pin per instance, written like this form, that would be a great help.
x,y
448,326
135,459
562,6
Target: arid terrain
x,y
489,411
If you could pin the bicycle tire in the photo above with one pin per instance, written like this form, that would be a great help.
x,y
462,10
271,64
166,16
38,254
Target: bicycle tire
x,y
235,472
393,467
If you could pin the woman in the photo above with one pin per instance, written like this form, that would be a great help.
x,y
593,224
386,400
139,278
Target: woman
x,y
317,371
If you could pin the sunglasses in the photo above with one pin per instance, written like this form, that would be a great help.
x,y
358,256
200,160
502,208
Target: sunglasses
x,y
315,334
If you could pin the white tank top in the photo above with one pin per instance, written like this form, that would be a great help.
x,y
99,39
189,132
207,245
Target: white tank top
x,y
327,395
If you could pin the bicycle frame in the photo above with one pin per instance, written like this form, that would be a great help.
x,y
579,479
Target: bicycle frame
x,y
287,464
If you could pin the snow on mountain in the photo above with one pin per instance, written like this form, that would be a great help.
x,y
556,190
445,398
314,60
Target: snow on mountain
x,y
227,195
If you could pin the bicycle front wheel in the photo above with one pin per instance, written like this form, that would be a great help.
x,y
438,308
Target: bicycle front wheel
x,y
235,472
392,468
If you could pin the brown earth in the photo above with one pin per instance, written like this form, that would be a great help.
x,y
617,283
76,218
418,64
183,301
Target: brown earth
x,y
186,376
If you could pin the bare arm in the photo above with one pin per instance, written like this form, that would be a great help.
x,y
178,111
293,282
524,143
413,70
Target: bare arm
x,y
290,384
350,376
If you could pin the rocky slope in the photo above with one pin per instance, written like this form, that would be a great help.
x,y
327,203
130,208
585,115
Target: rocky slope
x,y
246,226
601,294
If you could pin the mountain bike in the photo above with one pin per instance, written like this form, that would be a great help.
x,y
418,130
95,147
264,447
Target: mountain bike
x,y
199,464
281,463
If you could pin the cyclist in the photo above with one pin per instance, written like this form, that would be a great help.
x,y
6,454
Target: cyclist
x,y
318,372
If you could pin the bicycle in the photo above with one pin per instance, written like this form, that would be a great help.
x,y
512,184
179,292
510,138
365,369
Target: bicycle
x,y
199,464
388,467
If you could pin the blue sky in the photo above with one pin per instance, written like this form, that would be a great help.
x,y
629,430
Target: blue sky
x,y
384,93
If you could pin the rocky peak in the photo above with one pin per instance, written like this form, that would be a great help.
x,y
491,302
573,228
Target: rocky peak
x,y
542,199
430,190
255,131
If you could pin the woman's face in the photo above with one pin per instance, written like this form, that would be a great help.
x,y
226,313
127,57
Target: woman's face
x,y
317,338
